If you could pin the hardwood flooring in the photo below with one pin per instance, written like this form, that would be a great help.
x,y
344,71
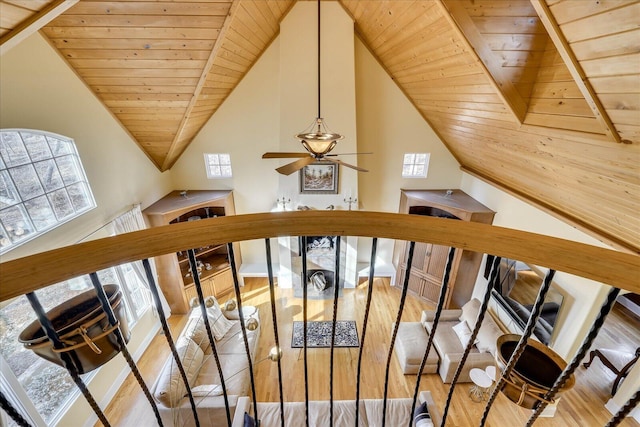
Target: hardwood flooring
x,y
582,406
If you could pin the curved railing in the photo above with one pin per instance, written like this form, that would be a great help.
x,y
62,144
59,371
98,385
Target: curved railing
x,y
620,270
602,265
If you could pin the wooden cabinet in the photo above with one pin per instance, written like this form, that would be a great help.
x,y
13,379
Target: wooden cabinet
x,y
174,272
429,261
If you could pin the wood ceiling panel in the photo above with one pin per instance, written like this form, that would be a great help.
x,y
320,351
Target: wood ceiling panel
x,y
164,57
557,101
499,20
162,44
605,40
621,19
571,10
121,49
19,18
11,15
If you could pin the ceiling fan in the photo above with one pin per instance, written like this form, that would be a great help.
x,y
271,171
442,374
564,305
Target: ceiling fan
x,y
317,139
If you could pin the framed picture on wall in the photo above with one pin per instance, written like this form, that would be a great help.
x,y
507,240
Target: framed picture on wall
x,y
319,178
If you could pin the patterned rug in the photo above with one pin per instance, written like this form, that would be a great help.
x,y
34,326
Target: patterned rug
x,y
319,334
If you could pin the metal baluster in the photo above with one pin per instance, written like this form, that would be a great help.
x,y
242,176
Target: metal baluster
x,y
403,297
533,318
436,320
304,330
108,310
167,334
495,269
65,356
336,292
275,326
191,255
372,263
236,286
586,344
12,412
624,411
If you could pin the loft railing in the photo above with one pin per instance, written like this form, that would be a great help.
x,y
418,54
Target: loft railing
x,y
26,275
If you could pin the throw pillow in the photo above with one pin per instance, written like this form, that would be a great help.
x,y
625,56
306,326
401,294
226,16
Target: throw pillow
x,y
487,336
171,389
196,330
249,421
421,416
207,390
463,332
220,325
470,311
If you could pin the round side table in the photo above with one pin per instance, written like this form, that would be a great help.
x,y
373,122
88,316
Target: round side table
x,y
481,383
491,372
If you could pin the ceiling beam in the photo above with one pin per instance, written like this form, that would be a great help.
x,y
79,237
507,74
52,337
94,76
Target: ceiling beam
x,y
174,151
33,24
462,23
572,63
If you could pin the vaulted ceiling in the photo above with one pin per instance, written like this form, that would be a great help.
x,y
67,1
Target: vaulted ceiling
x,y
538,97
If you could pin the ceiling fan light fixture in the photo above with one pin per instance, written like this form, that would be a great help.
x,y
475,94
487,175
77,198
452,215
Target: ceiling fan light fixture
x,y
318,139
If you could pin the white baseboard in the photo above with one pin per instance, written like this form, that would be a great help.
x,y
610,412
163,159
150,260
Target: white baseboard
x,y
613,408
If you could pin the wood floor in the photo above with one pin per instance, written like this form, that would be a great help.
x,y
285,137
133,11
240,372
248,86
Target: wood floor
x,y
582,406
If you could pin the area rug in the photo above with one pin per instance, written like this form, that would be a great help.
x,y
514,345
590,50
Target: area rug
x,y
319,334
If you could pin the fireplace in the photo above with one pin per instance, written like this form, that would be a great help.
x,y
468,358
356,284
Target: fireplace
x,y
321,254
321,249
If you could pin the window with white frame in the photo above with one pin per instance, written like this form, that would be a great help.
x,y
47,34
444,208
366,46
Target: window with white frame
x,y
415,165
42,185
218,165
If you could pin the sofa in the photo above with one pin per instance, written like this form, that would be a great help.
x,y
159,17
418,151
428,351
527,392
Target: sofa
x,y
447,349
454,329
195,352
370,412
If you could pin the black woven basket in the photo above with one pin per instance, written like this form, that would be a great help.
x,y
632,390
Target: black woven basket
x,y
84,330
533,375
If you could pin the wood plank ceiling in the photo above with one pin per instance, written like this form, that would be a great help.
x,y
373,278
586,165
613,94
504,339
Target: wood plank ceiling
x,y
539,97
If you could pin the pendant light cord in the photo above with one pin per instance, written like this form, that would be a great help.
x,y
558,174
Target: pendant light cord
x,y
319,116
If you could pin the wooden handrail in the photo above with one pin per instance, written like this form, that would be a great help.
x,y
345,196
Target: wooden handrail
x,y
28,274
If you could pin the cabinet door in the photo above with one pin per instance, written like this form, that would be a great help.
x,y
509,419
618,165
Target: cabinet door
x,y
222,283
436,261
420,260
207,290
431,291
415,281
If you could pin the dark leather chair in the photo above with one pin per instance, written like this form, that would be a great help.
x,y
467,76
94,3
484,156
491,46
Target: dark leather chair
x,y
619,362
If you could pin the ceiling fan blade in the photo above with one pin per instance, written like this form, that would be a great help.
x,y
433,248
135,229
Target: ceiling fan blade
x,y
350,166
284,155
347,154
295,166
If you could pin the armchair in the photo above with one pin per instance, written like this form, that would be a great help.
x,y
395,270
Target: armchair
x,y
619,362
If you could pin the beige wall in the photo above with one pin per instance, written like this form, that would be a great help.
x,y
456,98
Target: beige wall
x,y
39,91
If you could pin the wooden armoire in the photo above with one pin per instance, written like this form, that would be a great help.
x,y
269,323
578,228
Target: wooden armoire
x,y
429,261
174,273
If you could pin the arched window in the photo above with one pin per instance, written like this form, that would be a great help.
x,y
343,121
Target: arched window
x,y
42,185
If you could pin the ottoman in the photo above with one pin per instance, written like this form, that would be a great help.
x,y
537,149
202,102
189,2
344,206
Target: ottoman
x,y
411,342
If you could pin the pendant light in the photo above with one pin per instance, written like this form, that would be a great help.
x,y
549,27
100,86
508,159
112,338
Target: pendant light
x,y
317,139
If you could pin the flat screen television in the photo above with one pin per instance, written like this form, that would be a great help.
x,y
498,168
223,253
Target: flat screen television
x,y
516,289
